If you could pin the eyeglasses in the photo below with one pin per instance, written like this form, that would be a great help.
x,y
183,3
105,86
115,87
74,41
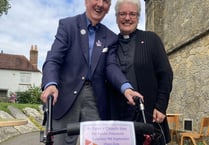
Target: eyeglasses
x,y
132,15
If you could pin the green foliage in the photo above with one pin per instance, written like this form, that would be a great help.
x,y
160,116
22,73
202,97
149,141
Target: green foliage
x,y
188,142
4,6
30,96
32,119
4,106
200,143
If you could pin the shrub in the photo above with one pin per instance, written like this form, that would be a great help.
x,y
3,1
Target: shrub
x,y
30,96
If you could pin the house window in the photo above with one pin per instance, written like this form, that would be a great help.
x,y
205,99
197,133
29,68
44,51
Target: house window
x,y
3,93
24,87
25,78
25,81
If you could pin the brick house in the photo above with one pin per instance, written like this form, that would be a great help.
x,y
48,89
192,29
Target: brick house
x,y
17,73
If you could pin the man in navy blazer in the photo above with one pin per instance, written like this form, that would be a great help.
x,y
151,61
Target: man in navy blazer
x,y
80,75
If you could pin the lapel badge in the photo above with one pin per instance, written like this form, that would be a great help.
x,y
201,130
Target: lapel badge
x,y
98,43
142,42
83,31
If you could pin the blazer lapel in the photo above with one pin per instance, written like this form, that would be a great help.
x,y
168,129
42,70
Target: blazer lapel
x,y
82,26
99,44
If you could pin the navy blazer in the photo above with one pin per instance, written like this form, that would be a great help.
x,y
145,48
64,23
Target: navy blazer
x,y
67,64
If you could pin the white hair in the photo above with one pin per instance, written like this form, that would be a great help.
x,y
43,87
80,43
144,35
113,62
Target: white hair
x,y
135,2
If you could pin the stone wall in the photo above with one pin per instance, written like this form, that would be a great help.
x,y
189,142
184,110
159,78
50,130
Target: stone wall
x,y
27,114
184,29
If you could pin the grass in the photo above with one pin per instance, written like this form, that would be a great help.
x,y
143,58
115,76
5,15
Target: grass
x,y
32,119
3,106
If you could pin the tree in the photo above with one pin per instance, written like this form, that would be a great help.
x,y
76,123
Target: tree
x,y
4,6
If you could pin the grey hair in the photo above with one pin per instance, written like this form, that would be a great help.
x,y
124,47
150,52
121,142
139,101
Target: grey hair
x,y
136,2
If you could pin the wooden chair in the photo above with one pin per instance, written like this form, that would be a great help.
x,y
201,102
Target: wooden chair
x,y
196,137
173,122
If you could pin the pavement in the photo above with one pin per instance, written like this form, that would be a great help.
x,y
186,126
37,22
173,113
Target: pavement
x,y
32,138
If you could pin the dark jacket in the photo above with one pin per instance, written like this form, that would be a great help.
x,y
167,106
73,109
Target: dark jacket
x,y
154,77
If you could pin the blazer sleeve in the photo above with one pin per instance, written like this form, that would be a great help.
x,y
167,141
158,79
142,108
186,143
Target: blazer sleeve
x,y
55,57
113,71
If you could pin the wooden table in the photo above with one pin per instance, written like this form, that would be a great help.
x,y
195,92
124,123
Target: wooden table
x,y
12,122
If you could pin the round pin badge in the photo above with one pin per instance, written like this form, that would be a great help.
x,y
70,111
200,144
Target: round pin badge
x,y
83,31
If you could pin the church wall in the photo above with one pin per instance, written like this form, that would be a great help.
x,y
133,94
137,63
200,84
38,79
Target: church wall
x,y
183,26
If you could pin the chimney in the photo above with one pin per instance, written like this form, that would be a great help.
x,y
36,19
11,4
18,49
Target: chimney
x,y
34,56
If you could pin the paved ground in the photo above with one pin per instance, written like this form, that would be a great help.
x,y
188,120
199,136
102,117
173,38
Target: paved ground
x,y
31,139
24,139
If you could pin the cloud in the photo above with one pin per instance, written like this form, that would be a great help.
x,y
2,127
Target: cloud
x,y
34,22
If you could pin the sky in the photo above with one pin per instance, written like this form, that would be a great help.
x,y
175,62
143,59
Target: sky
x,y
34,22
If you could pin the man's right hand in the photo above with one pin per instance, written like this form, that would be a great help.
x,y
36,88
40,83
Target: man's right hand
x,y
50,90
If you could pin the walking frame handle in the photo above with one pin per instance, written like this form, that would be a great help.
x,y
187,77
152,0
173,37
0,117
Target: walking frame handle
x,y
46,135
140,106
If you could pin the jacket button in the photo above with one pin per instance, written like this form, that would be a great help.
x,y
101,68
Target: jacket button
x,y
75,92
83,78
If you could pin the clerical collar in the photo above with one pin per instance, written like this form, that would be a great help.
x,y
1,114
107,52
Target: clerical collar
x,y
126,36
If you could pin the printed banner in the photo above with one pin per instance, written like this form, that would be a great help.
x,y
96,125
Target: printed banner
x,y
107,133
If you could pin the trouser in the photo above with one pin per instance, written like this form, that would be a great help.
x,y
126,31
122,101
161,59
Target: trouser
x,y
83,109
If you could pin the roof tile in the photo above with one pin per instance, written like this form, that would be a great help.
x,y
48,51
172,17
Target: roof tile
x,y
16,62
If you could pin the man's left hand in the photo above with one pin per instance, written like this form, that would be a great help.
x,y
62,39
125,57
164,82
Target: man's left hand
x,y
129,94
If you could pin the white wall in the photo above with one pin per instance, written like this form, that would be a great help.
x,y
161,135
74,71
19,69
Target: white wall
x,y
11,80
